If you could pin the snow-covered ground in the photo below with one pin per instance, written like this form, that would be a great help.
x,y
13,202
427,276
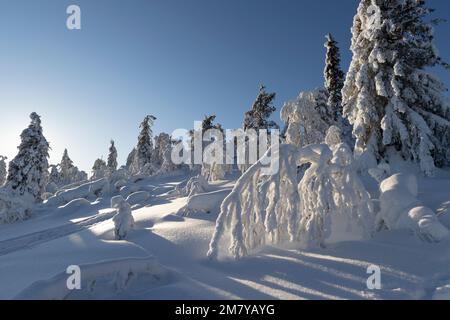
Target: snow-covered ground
x,y
165,256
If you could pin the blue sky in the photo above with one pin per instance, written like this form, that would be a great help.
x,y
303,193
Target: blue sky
x,y
176,59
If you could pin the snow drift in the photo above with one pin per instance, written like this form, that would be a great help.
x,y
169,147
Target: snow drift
x,y
111,276
401,209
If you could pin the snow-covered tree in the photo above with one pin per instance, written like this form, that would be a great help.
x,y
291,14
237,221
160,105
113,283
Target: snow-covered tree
x,y
279,208
162,144
2,170
394,104
163,152
123,220
209,169
99,169
66,168
334,77
65,173
213,170
112,158
54,179
334,82
259,116
144,149
305,120
130,159
28,171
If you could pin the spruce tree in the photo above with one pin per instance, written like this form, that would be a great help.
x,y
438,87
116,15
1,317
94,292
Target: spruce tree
x,y
144,148
130,159
334,77
259,116
55,176
99,169
389,96
66,166
112,158
28,171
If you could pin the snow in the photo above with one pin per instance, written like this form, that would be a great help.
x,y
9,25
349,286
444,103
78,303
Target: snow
x,y
401,209
74,205
177,246
204,202
442,293
138,197
101,280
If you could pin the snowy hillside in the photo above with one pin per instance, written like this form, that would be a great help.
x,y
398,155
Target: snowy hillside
x,y
165,257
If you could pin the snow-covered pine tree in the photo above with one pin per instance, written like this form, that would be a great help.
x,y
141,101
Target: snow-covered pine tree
x,y
334,77
334,82
144,149
130,159
162,141
392,101
99,169
28,171
112,158
211,170
66,167
259,116
2,170
305,119
163,153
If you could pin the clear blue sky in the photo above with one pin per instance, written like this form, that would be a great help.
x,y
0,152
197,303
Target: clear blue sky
x,y
176,59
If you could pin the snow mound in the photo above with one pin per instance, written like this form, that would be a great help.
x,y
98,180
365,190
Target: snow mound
x,y
138,197
195,185
125,191
74,206
442,293
88,190
99,279
444,214
400,209
204,203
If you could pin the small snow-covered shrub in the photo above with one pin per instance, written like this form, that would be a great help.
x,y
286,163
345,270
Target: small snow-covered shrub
x,y
123,220
138,197
14,208
195,185
400,209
